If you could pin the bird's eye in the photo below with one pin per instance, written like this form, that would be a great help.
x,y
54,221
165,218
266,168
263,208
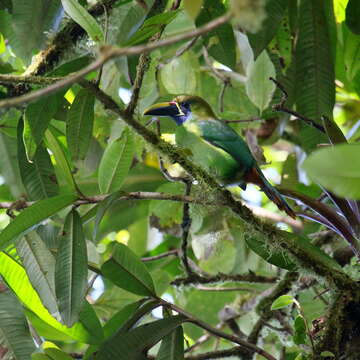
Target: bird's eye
x,y
185,104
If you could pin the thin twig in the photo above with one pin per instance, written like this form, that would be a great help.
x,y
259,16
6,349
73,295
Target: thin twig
x,y
235,339
174,252
243,120
281,107
207,288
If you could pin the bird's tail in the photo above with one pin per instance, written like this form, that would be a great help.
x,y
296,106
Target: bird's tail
x,y
256,176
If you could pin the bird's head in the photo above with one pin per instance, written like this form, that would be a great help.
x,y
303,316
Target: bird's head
x,y
181,108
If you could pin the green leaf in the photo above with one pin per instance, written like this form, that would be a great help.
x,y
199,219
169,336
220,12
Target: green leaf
x,y
38,176
33,215
2,44
101,210
337,168
275,10
131,345
39,264
71,269
61,161
278,258
127,271
300,330
220,41
90,321
315,79
116,162
352,16
351,53
56,354
258,86
25,14
81,16
36,120
14,331
281,302
79,124
327,354
172,346
16,279
193,7
151,26
333,131
180,75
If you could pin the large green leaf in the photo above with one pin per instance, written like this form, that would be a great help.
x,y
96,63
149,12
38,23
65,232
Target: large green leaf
x,y
71,269
25,38
39,264
351,53
16,279
79,124
127,271
275,10
116,161
336,168
258,86
38,176
14,331
221,41
81,16
131,345
172,346
315,79
36,120
33,215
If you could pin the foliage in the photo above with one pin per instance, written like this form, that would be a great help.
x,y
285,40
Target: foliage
x,y
107,252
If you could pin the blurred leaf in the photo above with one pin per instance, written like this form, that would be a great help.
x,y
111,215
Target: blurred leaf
x,y
71,269
169,212
61,161
300,330
33,215
116,161
258,86
352,16
193,7
275,10
39,264
180,75
79,124
351,53
336,168
25,38
327,354
56,354
221,41
14,330
36,120
81,16
315,79
281,302
127,271
16,279
172,346
151,26
132,344
270,255
2,44
37,176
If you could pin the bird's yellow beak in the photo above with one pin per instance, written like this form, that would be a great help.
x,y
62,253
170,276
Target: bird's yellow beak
x,y
171,108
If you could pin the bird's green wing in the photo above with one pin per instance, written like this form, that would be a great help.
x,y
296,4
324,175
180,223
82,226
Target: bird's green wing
x,y
223,136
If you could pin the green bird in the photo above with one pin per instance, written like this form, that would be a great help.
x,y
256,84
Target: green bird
x,y
216,146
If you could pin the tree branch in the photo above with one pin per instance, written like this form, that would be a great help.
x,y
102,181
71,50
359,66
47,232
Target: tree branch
x,y
110,52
